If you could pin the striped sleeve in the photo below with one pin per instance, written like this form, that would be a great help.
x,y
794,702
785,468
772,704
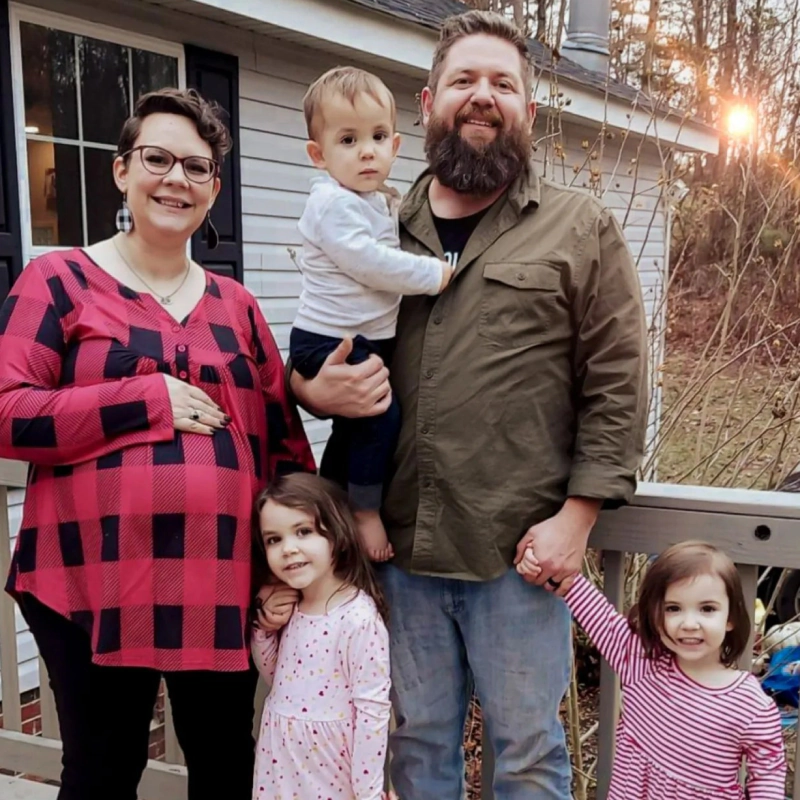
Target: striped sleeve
x,y
607,628
766,758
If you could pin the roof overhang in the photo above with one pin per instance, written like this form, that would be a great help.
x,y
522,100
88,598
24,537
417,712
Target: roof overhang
x,y
403,47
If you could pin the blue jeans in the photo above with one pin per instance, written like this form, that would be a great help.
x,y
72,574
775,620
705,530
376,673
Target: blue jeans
x,y
514,641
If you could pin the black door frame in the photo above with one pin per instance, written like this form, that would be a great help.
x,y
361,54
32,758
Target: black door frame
x,y
10,222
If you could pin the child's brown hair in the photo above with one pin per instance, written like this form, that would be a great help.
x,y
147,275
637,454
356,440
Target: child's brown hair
x,y
682,562
346,82
328,505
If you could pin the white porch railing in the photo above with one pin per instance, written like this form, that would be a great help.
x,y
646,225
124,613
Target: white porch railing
x,y
755,528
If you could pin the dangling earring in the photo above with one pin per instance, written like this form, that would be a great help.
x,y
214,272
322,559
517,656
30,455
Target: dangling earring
x,y
212,236
124,220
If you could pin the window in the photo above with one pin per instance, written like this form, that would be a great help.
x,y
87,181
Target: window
x,y
77,90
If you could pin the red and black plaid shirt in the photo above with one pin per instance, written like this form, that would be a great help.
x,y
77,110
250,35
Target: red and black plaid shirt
x,y
139,533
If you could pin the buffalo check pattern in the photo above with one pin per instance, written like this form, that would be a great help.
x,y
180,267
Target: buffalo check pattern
x,y
137,532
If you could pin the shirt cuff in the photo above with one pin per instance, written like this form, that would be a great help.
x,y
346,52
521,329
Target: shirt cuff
x,y
612,484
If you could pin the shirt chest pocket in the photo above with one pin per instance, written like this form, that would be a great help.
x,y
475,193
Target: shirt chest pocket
x,y
519,302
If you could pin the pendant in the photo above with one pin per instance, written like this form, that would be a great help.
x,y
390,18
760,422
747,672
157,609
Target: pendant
x,y
165,301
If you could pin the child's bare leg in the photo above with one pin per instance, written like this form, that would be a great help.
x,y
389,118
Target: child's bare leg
x,y
373,535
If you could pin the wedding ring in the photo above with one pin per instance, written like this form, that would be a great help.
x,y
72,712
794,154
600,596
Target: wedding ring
x,y
195,415
554,584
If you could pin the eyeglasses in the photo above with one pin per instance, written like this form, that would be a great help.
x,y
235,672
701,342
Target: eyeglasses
x,y
158,161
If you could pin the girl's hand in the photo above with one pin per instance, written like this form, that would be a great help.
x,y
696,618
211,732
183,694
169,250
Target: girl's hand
x,y
528,566
193,411
276,604
388,796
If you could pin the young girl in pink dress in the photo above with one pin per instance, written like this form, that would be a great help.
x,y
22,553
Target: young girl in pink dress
x,y
326,720
689,716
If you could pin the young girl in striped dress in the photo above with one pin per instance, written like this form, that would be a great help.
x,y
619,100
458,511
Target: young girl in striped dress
x,y
689,715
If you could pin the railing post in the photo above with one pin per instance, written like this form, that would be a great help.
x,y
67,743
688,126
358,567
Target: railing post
x,y
749,577
172,750
487,766
9,665
47,704
613,588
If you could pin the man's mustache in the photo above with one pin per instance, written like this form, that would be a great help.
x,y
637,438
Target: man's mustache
x,y
492,117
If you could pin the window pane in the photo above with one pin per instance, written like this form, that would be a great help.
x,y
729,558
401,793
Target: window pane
x,y
48,76
54,184
105,103
152,71
102,196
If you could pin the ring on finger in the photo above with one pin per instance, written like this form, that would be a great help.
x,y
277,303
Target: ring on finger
x,y
554,584
195,414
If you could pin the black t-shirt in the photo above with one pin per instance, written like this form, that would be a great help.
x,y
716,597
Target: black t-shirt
x,y
454,234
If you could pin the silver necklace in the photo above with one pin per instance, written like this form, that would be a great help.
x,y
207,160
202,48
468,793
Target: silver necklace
x,y
164,299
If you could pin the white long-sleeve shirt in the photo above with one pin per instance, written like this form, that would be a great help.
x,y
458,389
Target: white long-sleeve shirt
x,y
354,272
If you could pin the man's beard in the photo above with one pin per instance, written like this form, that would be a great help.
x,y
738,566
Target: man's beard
x,y
476,170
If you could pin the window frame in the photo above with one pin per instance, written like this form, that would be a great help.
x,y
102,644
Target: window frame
x,y
77,27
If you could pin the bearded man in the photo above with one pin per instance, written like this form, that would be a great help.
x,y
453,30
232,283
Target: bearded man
x,y
524,400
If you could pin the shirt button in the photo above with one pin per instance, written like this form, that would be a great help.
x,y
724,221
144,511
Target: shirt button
x,y
520,276
429,373
176,328
426,484
437,320
183,374
181,348
425,430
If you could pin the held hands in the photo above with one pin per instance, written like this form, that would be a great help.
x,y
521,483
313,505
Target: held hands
x,y
275,605
551,553
193,411
345,390
530,569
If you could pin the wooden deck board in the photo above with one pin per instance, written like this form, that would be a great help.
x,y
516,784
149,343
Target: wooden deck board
x,y
19,789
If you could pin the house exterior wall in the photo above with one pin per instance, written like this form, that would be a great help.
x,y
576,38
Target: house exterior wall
x,y
275,176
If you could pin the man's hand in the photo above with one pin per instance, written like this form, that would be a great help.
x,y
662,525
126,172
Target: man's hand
x,y
276,604
559,544
345,390
529,568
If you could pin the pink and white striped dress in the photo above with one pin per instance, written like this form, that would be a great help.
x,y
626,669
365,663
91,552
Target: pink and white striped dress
x,y
677,739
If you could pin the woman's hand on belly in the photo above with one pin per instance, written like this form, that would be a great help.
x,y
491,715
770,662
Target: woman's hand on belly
x,y
193,411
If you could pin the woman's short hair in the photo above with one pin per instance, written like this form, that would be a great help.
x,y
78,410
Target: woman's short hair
x,y
682,562
207,115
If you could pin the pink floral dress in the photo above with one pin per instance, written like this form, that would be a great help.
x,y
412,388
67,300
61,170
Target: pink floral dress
x,y
325,723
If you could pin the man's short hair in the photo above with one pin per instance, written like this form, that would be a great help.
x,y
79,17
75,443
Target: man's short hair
x,y
472,23
346,82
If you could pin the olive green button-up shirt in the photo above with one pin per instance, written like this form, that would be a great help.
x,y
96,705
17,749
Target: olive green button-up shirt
x,y
522,384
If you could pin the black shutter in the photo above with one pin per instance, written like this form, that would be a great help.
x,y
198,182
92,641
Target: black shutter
x,y
10,226
216,77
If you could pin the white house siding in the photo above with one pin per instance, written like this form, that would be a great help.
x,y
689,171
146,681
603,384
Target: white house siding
x,y
276,175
